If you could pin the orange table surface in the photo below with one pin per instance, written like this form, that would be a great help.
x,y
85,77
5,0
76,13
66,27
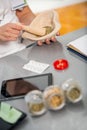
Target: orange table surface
x,y
72,17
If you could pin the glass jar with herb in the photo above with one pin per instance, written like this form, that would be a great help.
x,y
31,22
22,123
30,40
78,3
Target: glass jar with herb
x,y
72,90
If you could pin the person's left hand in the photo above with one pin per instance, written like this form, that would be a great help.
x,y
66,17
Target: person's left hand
x,y
48,41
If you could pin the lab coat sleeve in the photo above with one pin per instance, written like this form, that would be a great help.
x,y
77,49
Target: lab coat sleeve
x,y
18,4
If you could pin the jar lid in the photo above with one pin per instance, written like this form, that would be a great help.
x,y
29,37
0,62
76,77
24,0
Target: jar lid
x,y
35,103
73,90
54,97
34,96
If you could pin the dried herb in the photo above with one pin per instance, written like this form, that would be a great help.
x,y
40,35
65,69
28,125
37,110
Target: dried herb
x,y
74,93
49,29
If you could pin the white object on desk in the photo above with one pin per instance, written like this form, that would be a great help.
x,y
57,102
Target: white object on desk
x,y
35,66
79,45
10,48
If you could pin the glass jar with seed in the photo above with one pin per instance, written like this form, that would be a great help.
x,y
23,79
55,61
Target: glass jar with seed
x,y
54,97
35,103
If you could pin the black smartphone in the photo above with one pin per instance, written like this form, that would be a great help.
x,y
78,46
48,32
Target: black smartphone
x,y
19,87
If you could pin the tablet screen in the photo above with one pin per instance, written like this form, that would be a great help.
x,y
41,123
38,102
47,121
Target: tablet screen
x,y
21,86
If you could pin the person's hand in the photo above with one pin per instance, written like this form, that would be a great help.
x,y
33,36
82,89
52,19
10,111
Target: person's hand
x,y
10,32
48,41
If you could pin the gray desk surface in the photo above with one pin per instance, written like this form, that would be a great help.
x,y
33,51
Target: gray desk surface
x,y
71,117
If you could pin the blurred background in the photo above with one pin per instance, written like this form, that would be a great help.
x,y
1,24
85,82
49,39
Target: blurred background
x,y
41,5
72,13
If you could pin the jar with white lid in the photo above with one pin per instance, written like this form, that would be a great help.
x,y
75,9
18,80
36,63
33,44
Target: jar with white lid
x,y
72,90
54,97
35,103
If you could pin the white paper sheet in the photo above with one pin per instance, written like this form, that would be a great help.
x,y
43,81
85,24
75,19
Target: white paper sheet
x,y
35,66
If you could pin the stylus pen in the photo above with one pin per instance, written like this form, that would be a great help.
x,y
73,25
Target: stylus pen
x,y
32,44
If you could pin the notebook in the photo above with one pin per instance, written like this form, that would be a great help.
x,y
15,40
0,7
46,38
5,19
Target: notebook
x,y
79,45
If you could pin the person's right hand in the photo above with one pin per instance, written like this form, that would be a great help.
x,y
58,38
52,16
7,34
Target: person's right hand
x,y
10,32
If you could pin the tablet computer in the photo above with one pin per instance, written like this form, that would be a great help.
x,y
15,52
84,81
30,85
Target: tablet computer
x,y
19,87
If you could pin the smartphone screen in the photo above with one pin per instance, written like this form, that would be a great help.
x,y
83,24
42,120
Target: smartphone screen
x,y
21,86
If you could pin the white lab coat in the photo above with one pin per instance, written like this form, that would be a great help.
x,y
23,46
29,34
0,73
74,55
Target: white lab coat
x,y
7,15
7,10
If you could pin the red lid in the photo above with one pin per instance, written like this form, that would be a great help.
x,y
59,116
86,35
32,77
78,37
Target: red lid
x,y
60,64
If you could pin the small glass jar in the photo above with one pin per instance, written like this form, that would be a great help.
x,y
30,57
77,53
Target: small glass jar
x,y
72,90
35,103
54,97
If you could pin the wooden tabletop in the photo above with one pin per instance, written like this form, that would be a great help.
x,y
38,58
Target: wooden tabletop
x,y
72,17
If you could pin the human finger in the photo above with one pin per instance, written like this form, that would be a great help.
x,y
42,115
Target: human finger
x,y
58,34
16,26
39,43
53,39
11,35
47,41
